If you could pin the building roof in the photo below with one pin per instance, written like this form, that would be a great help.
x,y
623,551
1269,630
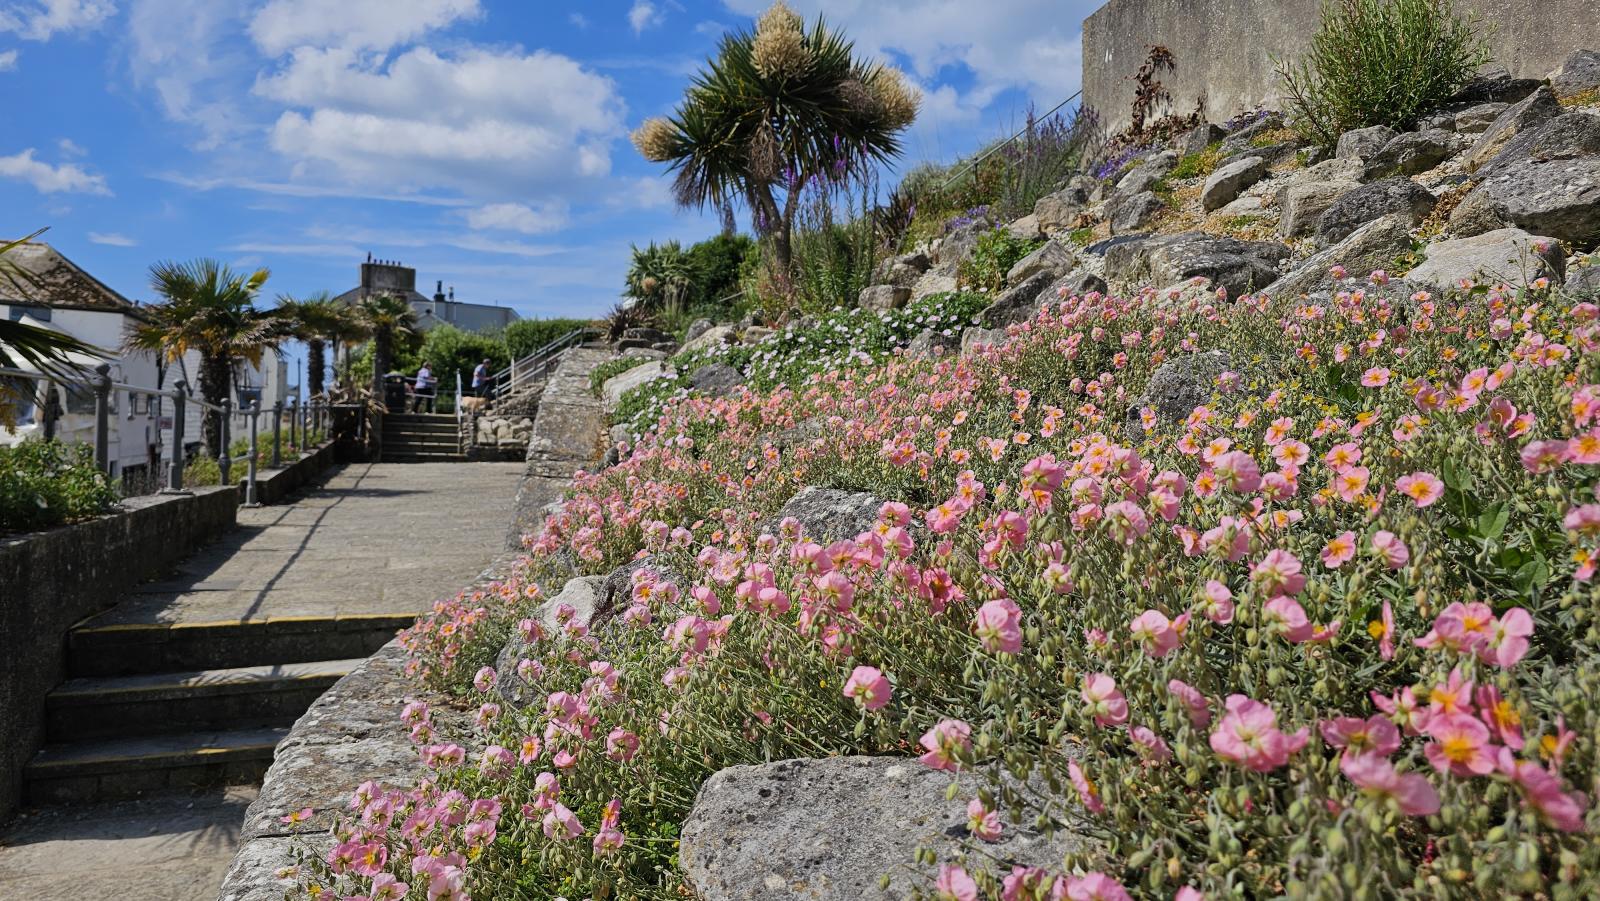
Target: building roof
x,y
52,280
353,296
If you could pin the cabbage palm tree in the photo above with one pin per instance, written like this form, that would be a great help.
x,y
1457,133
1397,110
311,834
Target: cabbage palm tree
x,y
207,307
778,109
660,275
314,320
388,319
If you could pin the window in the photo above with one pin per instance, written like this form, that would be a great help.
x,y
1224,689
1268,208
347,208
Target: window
x,y
19,310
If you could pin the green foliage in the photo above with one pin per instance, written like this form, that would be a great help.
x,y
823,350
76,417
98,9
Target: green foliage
x,y
716,263
452,352
996,252
525,336
1082,237
47,483
660,277
1380,62
1198,165
833,259
611,369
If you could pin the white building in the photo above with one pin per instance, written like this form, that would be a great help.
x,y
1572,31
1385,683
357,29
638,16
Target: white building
x,y
65,298
388,277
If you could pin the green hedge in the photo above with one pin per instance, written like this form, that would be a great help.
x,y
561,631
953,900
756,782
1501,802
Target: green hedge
x,y
46,483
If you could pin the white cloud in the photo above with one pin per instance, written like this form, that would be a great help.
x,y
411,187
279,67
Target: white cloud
x,y
67,178
282,25
517,217
112,239
190,54
41,20
578,20
8,60
465,120
645,14
70,147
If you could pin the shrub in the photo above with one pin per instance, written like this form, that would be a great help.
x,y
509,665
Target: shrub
x,y
1380,62
525,336
1198,165
47,483
995,253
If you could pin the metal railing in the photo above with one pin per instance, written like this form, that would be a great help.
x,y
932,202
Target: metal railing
x,y
533,366
304,420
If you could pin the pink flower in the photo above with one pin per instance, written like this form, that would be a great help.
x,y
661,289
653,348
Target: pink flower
x,y
1383,630
1460,627
1279,572
1394,552
1087,793
1104,701
1216,602
983,822
1339,550
1285,616
869,687
621,745
945,745
1199,709
1424,488
1188,893
1152,747
1545,456
1403,709
1096,887
955,885
1248,735
1460,745
387,888
1507,642
1376,377
1414,794
999,626
1353,735
1154,633
1126,521
1542,791
561,824
1500,715
1238,471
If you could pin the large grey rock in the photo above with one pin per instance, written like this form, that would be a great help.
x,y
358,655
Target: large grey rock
x,y
716,380
1247,135
903,270
1505,255
1555,197
697,328
1130,213
1073,284
1579,73
583,595
1530,112
716,336
1374,245
958,245
1238,266
1026,228
1568,135
1476,119
1300,205
930,344
798,829
1362,143
883,297
1412,153
1017,303
1198,139
1373,201
756,334
1225,184
828,514
1052,257
933,283
1060,210
1496,87
973,337
1138,181
616,386
1584,283
1179,385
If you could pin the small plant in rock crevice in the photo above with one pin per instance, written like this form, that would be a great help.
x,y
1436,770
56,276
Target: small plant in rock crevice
x,y
995,253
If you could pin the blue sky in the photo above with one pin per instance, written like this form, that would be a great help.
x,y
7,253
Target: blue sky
x,y
482,141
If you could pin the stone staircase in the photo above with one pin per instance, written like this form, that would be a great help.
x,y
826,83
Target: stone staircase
x,y
158,707
421,438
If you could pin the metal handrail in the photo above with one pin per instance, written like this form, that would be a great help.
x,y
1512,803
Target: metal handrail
x,y
536,364
992,150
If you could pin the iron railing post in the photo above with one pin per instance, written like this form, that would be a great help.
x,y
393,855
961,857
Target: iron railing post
x,y
224,460
175,469
277,434
294,425
50,411
102,418
254,412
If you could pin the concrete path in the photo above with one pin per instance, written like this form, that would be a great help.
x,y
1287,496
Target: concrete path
x,y
375,539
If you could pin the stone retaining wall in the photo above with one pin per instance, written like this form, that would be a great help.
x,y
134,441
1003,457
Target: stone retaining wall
x,y
1224,48
274,485
51,581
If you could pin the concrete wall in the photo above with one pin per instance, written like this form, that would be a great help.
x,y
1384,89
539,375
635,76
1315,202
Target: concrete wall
x,y
50,581
1224,48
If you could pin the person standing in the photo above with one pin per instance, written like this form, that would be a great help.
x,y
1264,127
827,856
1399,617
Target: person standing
x,y
423,390
480,380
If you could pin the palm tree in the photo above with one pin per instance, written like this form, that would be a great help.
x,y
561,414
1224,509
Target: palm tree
x,y
778,109
47,350
659,276
388,319
208,308
313,320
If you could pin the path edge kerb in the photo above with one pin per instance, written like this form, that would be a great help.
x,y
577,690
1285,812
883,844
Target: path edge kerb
x,y
353,732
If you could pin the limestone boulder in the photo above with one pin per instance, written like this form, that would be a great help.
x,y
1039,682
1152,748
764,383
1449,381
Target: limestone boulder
x,y
1373,201
756,334
583,596
1052,257
1476,118
1528,113
1363,143
795,829
933,283
1131,213
1505,255
879,298
1073,284
1567,136
901,271
827,515
1585,283
1138,181
1025,229
716,380
612,390
955,247
1412,153
1018,303
1238,266
1225,184
1179,385
1578,74
1060,210
1374,245
1559,198
973,337
697,328
930,344
1198,139
1496,86
716,336
1301,205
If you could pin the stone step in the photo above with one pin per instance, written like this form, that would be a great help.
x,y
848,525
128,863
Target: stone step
x,y
423,420
125,649
426,430
398,455
411,445
127,768
206,700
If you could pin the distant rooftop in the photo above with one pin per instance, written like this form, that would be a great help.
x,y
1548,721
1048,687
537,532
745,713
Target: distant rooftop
x,y
399,280
52,280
